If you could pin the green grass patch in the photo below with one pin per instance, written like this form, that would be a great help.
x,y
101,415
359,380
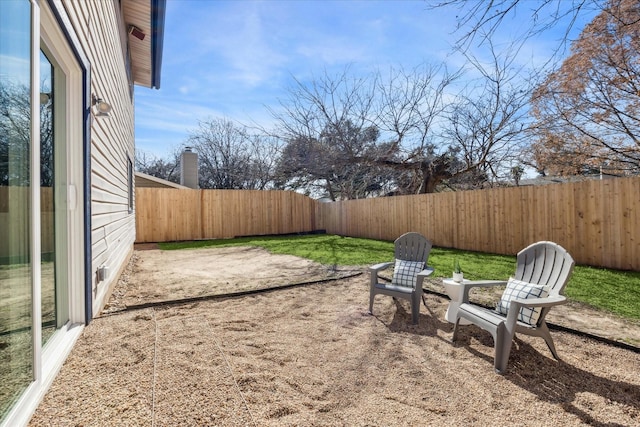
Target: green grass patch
x,y
611,290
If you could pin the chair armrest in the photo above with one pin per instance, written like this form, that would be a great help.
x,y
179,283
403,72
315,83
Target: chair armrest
x,y
539,302
381,266
421,276
374,269
428,271
518,303
467,285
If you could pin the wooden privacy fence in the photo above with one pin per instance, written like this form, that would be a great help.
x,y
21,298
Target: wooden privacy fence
x,y
15,222
164,215
597,221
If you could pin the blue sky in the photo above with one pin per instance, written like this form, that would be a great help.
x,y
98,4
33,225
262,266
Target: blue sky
x,y
231,59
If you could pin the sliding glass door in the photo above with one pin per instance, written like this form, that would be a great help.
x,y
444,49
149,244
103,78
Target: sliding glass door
x,y
16,286
53,198
34,192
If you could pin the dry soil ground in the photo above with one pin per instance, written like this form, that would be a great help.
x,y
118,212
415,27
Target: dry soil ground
x,y
312,355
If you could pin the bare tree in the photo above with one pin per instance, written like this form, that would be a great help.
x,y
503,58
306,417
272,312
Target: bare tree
x,y
231,158
327,125
160,168
378,128
488,121
479,20
15,134
409,107
326,165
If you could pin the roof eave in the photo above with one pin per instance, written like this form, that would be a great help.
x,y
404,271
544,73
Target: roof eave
x,y
145,50
158,8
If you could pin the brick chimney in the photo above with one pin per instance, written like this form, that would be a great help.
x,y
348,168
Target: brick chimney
x,y
189,168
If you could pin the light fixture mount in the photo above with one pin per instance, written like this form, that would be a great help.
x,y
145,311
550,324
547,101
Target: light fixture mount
x,y
103,109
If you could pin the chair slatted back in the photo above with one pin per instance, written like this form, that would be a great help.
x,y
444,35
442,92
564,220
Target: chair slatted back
x,y
545,263
412,247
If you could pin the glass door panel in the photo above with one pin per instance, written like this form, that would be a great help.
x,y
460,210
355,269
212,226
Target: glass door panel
x,y
47,199
16,290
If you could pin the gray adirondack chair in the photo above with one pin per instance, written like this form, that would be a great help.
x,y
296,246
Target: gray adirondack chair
x,y
410,269
542,263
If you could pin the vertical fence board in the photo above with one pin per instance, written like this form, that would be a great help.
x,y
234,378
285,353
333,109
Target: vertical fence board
x,y
632,223
172,215
598,222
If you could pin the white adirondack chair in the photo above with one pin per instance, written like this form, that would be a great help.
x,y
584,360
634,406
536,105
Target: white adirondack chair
x,y
543,263
410,269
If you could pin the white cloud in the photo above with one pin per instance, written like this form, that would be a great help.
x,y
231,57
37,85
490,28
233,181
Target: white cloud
x,y
235,39
15,69
232,58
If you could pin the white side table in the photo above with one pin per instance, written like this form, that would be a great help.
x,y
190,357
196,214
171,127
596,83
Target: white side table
x,y
454,290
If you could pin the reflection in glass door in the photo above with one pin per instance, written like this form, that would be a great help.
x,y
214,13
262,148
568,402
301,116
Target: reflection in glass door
x,y
16,291
33,206
47,198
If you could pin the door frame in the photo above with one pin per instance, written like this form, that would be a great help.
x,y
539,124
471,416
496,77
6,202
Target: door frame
x,y
50,26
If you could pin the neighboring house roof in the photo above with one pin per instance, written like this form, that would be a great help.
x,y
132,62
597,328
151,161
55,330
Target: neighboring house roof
x,y
144,180
543,180
147,16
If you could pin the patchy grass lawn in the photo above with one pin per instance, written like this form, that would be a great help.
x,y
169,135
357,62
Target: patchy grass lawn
x,y
611,290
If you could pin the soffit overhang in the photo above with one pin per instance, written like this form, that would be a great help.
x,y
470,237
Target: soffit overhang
x,y
146,54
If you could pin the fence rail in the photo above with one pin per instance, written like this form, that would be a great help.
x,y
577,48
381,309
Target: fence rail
x,y
597,221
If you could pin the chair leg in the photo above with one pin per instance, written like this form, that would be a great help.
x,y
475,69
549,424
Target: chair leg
x,y
503,340
502,344
455,329
372,296
415,308
544,332
373,281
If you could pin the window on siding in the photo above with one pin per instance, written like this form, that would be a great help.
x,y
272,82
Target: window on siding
x,y
130,182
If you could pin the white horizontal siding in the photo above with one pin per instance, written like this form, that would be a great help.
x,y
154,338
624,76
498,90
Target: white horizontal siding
x,y
102,33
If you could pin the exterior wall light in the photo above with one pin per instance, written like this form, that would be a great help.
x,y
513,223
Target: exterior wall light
x,y
102,108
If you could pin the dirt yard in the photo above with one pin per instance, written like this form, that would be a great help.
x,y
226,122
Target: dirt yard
x,y
311,355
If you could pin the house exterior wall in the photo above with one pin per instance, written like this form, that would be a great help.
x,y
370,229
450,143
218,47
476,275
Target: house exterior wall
x,y
102,32
69,213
